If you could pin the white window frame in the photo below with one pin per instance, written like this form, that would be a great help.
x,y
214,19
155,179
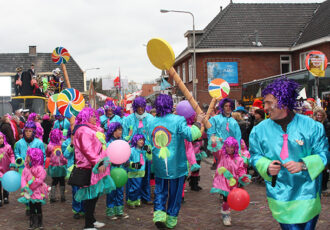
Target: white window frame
x,y
190,70
286,62
302,57
184,72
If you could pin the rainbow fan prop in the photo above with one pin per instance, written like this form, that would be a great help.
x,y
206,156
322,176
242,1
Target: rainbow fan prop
x,y
60,56
70,102
161,139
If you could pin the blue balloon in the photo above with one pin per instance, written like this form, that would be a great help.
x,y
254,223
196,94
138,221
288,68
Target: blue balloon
x,y
185,109
11,181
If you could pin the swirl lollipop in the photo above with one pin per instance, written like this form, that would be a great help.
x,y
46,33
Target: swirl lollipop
x,y
70,102
60,56
52,105
161,138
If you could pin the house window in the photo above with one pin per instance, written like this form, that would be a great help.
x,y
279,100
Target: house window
x,y
190,73
285,63
183,72
302,57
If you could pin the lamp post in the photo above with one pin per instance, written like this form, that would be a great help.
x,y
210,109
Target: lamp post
x,y
194,47
84,73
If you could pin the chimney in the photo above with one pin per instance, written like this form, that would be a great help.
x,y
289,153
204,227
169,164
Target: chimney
x,y
220,8
32,50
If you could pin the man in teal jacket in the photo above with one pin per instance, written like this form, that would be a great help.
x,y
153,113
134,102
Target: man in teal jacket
x,y
290,152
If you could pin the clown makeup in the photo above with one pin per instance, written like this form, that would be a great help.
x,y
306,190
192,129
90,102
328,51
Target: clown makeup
x,y
140,143
1,140
28,133
118,133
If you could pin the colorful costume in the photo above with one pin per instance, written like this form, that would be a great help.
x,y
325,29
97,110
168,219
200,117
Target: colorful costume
x,y
63,125
169,158
34,188
7,161
105,121
296,197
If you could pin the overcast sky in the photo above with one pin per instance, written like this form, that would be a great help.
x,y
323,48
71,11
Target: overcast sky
x,y
109,34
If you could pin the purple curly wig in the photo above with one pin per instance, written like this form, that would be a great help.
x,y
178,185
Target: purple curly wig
x,y
118,111
285,91
112,128
139,102
32,117
100,111
224,101
30,125
136,138
85,115
148,108
4,138
163,104
55,137
109,105
230,141
36,156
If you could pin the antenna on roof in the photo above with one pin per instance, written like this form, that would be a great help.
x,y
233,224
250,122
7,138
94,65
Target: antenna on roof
x,y
231,1
220,8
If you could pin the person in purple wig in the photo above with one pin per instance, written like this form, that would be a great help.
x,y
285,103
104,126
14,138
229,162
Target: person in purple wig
x,y
57,164
35,190
167,133
223,126
289,151
229,175
109,115
137,123
28,141
119,111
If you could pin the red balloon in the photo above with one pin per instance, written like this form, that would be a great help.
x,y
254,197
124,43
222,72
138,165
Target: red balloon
x,y
238,199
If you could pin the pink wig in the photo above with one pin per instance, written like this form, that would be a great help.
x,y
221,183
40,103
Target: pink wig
x,y
36,156
32,117
85,115
230,142
55,137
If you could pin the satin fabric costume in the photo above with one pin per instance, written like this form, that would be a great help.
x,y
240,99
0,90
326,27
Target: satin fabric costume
x,y
134,183
296,197
68,152
105,121
89,153
63,125
7,159
22,146
132,122
223,127
57,162
170,164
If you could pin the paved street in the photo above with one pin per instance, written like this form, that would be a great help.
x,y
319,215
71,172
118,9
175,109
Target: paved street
x,y
201,210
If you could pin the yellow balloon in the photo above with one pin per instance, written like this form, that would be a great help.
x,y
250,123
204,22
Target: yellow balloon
x,y
160,53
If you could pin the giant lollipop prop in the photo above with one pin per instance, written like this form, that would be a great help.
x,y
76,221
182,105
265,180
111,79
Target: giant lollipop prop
x,y
218,89
52,107
70,102
161,55
60,56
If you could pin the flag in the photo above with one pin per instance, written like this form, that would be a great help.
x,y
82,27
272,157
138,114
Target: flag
x,y
164,84
116,82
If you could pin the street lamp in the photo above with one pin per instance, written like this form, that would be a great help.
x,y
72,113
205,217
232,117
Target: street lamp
x,y
194,47
84,73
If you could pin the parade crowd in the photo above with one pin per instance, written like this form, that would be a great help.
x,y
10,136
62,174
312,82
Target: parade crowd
x,y
285,143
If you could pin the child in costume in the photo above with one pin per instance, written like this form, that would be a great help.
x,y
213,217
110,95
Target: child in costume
x,y
39,130
109,115
115,199
230,171
136,171
34,188
68,152
57,164
7,162
244,153
28,141
138,123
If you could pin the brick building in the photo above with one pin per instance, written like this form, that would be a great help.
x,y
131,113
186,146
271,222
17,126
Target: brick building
x,y
261,40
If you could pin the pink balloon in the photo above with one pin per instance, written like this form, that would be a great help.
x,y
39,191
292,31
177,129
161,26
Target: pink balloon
x,y
118,152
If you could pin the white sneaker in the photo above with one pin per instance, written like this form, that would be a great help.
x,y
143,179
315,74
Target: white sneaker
x,y
90,228
98,224
226,220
